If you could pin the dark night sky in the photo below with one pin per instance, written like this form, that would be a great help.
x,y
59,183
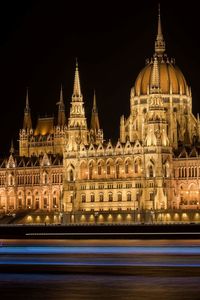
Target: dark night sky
x,y
40,41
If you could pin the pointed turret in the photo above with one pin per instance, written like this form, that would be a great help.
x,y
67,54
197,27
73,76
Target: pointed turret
x,y
77,124
122,129
95,118
77,88
159,43
27,124
61,109
12,150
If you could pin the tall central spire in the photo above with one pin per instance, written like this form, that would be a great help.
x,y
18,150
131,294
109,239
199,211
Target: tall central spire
x,y
159,43
77,87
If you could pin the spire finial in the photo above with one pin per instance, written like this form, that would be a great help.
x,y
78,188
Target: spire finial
x,y
95,118
61,94
27,100
159,43
77,87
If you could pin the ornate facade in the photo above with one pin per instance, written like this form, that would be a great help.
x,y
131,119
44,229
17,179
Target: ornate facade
x,y
65,165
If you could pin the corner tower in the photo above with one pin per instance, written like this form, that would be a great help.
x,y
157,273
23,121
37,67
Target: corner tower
x,y
77,125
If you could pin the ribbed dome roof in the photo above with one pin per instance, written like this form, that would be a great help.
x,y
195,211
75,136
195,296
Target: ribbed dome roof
x,y
169,75
160,72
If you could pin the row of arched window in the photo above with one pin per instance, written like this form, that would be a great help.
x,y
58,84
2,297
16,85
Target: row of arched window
x,y
31,179
101,197
188,172
37,203
115,170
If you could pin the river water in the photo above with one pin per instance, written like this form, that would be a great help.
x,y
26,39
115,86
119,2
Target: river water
x,y
96,269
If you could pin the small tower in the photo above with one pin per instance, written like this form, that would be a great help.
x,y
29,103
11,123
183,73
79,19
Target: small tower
x,y
61,109
26,131
27,124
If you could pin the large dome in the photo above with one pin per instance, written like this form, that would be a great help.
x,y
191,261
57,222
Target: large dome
x,y
170,76
170,79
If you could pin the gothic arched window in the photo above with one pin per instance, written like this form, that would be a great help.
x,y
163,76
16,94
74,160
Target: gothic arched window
x,y
71,175
150,171
126,167
108,169
128,196
99,169
90,170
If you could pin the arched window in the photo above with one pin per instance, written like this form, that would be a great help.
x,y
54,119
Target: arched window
x,y
92,197
90,170
110,197
101,197
128,196
185,172
71,175
150,171
46,202
192,171
108,168
83,198
126,167
136,167
45,178
99,169
54,201
117,169
11,180
119,197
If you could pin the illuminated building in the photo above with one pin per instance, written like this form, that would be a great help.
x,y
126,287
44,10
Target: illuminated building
x,y
65,165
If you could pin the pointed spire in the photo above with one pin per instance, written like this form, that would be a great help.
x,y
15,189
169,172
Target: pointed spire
x,y
61,109
27,124
77,87
27,100
61,95
94,109
159,43
95,118
12,150
155,78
